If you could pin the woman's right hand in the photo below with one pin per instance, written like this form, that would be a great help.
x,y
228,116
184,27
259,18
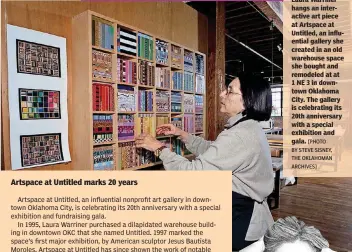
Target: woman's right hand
x,y
168,129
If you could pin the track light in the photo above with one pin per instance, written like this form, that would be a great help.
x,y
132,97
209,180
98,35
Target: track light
x,y
272,25
279,47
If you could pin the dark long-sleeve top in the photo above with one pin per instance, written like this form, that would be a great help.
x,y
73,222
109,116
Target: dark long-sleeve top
x,y
245,151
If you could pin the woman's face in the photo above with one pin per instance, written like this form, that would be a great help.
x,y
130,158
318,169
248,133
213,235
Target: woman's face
x,y
231,99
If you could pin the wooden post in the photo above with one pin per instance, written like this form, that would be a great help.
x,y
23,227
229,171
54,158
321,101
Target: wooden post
x,y
270,14
216,72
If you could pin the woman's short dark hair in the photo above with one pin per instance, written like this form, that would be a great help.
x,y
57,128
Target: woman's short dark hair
x,y
256,93
289,230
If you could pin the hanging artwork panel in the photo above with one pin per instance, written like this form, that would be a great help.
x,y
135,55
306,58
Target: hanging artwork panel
x,y
37,89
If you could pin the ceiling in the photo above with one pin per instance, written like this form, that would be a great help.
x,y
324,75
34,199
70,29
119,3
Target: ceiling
x,y
247,24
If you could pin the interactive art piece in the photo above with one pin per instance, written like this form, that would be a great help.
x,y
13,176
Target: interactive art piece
x,y
177,81
200,84
103,97
146,73
102,33
33,58
103,158
37,95
126,41
176,56
102,66
176,102
162,119
188,61
128,155
162,77
125,127
188,102
162,101
199,64
162,52
188,123
126,99
126,71
188,82
39,104
199,123
41,149
102,128
199,104
145,46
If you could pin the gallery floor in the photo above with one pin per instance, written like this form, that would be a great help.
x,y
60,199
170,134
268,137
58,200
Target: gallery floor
x,y
325,203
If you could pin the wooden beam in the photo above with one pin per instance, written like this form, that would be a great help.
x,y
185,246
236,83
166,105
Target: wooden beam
x,y
216,71
270,14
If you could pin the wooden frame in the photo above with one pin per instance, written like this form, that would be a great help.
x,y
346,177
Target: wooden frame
x,y
82,122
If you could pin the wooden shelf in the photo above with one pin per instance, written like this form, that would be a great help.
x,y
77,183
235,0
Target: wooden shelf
x,y
104,112
146,165
146,87
174,68
126,141
102,144
82,91
127,112
103,49
146,112
103,81
126,84
161,65
163,137
144,59
160,88
125,55
130,169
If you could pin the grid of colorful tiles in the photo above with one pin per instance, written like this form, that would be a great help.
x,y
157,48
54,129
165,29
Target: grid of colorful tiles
x,y
39,104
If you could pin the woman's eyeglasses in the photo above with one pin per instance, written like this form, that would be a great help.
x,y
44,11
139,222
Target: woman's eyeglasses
x,y
230,92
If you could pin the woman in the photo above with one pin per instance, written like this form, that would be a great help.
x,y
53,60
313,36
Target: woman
x,y
242,147
290,234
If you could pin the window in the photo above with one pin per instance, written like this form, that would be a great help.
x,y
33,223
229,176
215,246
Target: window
x,y
276,101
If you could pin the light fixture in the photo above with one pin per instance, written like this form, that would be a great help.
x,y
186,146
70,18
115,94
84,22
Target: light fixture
x,y
272,25
279,47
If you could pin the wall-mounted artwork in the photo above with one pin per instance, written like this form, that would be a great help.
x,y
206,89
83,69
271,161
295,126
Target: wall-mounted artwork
x,y
33,58
39,104
37,89
41,149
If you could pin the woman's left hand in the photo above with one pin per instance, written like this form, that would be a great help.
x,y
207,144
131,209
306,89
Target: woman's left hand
x,y
148,142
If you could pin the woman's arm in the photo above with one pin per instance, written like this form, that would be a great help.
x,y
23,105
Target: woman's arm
x,y
195,144
226,153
